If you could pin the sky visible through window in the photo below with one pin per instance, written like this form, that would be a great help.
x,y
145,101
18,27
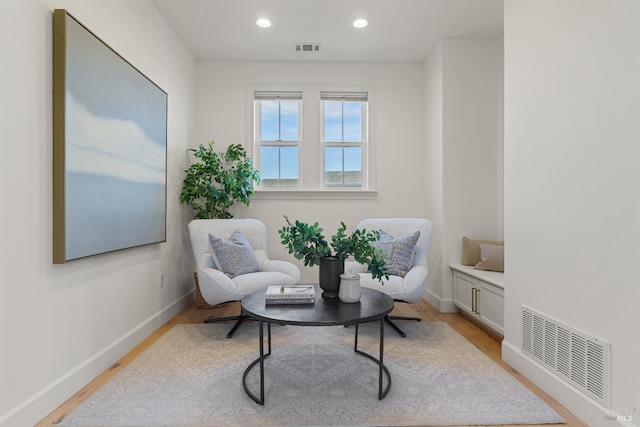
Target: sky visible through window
x,y
284,159
280,122
342,123
333,121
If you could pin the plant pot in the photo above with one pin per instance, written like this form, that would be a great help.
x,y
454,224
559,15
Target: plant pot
x,y
330,270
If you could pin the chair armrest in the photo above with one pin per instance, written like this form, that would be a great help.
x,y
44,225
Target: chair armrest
x,y
416,274
282,267
409,288
212,282
415,283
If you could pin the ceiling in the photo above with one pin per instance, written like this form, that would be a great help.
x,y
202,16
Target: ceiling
x,y
399,31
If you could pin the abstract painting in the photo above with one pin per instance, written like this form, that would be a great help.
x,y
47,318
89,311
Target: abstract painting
x,y
109,148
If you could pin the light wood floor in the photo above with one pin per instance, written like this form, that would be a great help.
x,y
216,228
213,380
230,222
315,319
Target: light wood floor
x,y
487,343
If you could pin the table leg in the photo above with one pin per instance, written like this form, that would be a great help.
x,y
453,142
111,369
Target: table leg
x,y
259,361
262,360
269,339
355,344
382,370
380,360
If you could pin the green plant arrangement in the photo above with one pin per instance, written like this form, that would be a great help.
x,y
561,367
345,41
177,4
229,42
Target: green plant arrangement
x,y
308,244
218,180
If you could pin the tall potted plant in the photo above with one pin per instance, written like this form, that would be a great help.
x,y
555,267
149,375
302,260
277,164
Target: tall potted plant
x,y
218,180
307,243
214,183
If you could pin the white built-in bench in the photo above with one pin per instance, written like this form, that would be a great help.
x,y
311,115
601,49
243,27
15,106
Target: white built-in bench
x,y
480,294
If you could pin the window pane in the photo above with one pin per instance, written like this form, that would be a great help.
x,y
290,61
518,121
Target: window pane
x,y
352,121
279,120
353,166
333,159
332,121
343,166
279,166
333,173
269,126
289,120
269,164
289,163
353,159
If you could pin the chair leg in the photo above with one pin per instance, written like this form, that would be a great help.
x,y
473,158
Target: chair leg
x,y
239,321
388,319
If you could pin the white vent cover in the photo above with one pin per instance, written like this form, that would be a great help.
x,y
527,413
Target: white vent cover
x,y
579,359
306,47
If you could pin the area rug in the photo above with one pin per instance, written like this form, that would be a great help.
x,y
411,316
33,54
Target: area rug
x,y
192,376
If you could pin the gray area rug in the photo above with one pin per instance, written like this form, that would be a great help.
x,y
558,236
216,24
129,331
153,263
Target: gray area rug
x,y
192,376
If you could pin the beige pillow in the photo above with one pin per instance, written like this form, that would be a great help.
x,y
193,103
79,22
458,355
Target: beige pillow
x,y
471,249
491,258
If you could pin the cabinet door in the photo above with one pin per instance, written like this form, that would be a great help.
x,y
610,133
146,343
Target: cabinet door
x,y
491,307
463,286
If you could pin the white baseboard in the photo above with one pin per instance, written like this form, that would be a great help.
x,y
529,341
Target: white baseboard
x,y
577,403
53,395
443,305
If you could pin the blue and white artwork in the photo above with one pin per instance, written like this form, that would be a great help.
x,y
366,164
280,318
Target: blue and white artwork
x,y
115,150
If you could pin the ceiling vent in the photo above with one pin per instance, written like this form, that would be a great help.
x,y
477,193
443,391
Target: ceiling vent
x,y
306,47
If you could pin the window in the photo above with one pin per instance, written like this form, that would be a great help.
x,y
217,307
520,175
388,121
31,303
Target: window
x,y
344,117
277,133
311,139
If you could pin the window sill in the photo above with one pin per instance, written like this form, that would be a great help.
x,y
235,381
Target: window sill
x,y
315,195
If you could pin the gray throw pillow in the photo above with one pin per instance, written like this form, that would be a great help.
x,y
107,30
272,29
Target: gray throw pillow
x,y
234,256
399,251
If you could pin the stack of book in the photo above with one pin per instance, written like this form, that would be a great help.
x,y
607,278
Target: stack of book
x,y
290,294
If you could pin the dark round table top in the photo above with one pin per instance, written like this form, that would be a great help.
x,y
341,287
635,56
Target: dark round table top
x,y
373,305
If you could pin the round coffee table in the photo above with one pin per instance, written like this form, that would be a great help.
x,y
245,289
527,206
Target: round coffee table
x,y
373,306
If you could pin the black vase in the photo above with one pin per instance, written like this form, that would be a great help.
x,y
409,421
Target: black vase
x,y
330,270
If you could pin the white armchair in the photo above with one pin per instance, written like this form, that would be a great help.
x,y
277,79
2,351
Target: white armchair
x,y
412,286
215,286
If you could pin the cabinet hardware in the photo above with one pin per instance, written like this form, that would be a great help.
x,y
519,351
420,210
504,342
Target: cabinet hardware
x,y
474,300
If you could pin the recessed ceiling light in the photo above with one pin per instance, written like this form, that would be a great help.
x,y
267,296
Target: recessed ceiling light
x,y
360,23
263,22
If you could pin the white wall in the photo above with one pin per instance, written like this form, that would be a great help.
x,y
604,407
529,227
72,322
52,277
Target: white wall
x,y
223,114
62,325
572,199
464,145
434,161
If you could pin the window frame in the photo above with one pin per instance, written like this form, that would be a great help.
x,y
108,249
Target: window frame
x,y
363,144
311,161
256,124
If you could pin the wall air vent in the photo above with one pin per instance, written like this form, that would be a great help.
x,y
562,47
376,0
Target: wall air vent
x,y
579,359
306,47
